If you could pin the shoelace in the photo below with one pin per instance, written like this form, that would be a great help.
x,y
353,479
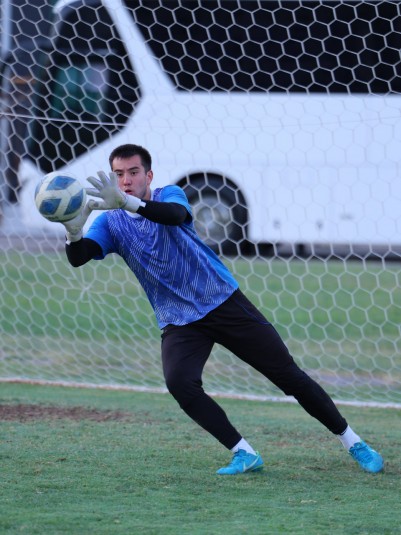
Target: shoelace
x,y
237,458
363,453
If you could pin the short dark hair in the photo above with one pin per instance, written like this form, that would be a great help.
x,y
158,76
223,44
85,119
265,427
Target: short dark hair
x,y
129,150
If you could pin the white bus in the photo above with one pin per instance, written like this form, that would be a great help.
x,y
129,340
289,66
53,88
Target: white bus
x,y
281,120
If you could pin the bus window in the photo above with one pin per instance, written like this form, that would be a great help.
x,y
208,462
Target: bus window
x,y
87,91
79,90
302,46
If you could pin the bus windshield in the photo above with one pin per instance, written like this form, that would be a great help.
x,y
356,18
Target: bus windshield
x,y
86,92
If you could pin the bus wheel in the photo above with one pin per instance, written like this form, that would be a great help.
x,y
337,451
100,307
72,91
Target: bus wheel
x,y
219,212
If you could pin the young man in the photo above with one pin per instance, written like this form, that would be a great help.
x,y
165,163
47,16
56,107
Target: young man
x,y
196,301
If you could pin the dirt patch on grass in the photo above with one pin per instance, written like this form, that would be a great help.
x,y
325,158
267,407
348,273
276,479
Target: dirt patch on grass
x,y
26,413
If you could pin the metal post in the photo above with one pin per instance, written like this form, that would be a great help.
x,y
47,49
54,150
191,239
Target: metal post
x,y
6,42
6,26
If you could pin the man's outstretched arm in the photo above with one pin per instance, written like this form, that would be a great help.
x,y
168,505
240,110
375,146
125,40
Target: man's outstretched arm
x,y
81,251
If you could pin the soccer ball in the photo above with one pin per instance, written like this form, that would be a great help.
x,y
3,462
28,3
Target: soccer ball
x,y
59,197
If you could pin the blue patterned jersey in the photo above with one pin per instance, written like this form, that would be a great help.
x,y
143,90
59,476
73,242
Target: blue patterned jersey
x,y
182,277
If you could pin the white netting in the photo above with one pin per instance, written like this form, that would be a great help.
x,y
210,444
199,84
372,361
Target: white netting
x,y
279,119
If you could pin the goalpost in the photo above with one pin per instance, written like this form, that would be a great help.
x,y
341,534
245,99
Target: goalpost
x,y
280,119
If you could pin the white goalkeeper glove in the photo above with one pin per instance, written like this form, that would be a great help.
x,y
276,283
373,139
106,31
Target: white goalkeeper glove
x,y
74,226
106,188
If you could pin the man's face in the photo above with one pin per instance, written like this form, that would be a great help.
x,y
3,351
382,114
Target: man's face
x,y
132,178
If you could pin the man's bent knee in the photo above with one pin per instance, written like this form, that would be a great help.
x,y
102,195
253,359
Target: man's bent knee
x,y
183,389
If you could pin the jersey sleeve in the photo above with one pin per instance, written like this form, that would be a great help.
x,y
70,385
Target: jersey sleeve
x,y
177,195
100,233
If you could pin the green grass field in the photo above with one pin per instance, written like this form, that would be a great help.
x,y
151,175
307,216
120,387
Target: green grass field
x,y
132,463
340,319
85,461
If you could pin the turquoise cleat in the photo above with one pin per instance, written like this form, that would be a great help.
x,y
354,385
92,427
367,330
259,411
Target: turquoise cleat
x,y
242,462
367,457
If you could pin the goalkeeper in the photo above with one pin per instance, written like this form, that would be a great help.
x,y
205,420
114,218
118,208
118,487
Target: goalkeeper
x,y
196,301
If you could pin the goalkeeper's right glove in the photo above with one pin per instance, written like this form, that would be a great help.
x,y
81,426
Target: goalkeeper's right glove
x,y
74,226
106,188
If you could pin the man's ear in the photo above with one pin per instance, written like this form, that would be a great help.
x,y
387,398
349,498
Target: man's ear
x,y
149,177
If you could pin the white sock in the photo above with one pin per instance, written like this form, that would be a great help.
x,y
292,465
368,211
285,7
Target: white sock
x,y
243,445
348,438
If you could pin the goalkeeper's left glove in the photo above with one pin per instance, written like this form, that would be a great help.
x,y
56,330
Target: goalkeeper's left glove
x,y
74,226
106,188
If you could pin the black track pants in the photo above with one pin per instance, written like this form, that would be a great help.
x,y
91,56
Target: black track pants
x,y
239,326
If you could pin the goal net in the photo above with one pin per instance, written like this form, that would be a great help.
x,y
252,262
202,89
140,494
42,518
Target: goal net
x,y
280,119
